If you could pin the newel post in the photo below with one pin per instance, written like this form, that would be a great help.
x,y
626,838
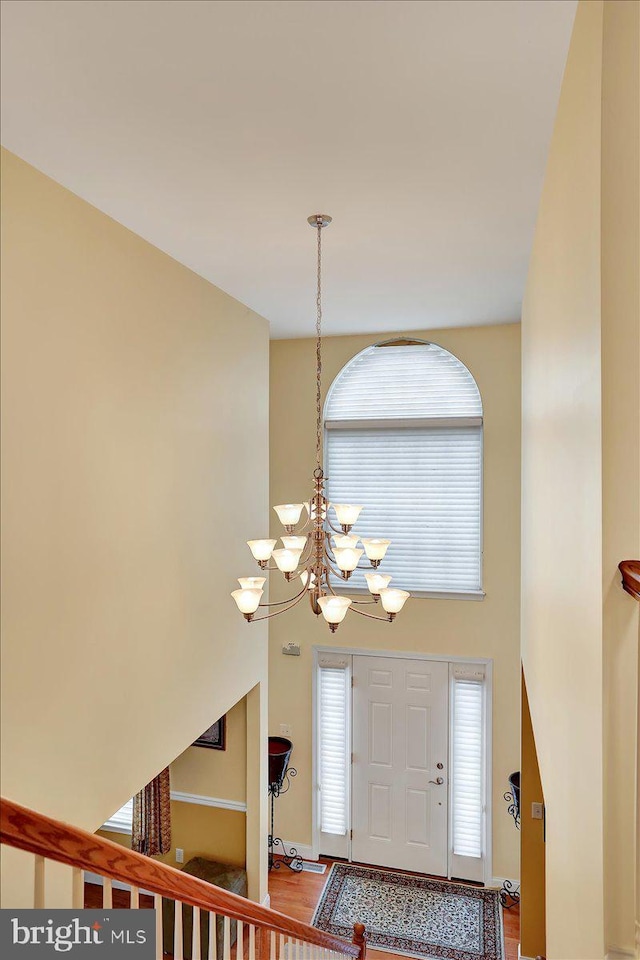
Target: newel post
x,y
359,939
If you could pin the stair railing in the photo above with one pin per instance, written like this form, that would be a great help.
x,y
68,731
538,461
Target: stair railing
x,y
262,933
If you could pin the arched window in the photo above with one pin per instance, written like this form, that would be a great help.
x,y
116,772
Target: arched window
x,y
403,437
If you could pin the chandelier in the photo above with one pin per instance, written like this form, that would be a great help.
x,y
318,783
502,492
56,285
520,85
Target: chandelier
x,y
316,548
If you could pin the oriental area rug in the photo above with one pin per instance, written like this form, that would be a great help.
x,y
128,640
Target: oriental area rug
x,y
412,915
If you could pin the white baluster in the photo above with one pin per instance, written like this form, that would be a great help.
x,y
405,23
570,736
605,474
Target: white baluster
x,y
107,893
281,950
135,898
195,934
178,949
239,940
38,883
252,942
213,933
157,904
77,888
272,946
226,939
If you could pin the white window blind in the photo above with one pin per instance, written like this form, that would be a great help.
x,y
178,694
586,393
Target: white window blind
x,y
122,819
404,439
334,756
415,380
467,767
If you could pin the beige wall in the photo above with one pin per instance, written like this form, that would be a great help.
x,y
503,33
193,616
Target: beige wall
x,y
620,456
216,773
489,628
200,832
580,487
134,430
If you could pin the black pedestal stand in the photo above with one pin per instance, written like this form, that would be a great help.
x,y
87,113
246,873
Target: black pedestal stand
x,y
510,895
291,858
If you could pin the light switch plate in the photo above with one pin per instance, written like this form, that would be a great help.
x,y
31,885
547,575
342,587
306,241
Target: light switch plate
x,y
179,855
537,811
286,730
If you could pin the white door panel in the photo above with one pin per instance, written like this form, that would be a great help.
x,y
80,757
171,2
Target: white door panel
x,y
400,735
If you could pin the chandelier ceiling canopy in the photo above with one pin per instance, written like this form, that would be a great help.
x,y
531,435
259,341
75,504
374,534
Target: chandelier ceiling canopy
x,y
317,547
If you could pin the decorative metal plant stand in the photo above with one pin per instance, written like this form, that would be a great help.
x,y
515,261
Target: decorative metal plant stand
x,y
279,782
510,895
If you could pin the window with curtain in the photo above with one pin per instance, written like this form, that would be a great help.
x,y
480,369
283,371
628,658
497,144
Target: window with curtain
x,y
403,437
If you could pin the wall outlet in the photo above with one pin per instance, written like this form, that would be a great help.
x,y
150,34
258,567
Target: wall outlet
x,y
286,730
537,811
179,855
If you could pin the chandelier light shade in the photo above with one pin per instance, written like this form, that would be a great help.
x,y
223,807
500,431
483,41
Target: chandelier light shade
x,y
319,546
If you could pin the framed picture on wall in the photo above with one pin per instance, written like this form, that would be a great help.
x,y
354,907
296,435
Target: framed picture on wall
x,y
214,737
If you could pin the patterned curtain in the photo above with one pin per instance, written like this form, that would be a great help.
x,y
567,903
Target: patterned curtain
x,y
152,817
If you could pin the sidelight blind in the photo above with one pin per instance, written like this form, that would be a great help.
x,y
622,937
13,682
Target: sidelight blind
x,y
404,438
467,767
333,755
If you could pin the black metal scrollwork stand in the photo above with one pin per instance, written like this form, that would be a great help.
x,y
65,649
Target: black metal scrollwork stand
x,y
510,895
290,858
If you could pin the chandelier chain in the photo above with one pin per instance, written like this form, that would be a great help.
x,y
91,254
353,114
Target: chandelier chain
x,y
319,355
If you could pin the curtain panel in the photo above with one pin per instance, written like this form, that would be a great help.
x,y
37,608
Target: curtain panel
x,y
151,833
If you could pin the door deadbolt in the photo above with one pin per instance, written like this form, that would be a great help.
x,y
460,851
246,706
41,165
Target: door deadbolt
x,y
439,766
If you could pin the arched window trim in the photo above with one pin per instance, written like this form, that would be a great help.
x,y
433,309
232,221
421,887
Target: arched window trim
x,y
397,423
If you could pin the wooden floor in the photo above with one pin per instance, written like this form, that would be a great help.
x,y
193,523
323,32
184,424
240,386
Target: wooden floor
x,y
296,895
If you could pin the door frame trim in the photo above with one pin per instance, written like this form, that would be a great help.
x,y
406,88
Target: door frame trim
x,y
487,662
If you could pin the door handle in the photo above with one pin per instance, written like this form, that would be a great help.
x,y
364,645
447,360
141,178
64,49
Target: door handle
x,y
438,781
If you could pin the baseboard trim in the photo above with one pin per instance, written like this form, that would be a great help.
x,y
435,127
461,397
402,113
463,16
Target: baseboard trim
x,y
620,953
205,801
499,881
304,850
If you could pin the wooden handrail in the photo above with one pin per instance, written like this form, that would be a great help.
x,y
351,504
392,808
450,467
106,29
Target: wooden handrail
x,y
630,570
54,840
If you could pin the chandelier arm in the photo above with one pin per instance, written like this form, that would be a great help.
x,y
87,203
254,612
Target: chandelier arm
x,y
303,561
370,616
328,549
364,603
305,524
328,584
337,530
335,572
279,603
275,613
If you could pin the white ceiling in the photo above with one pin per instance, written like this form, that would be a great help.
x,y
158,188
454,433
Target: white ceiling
x,y
213,129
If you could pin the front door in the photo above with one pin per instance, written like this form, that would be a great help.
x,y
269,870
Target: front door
x,y
400,753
